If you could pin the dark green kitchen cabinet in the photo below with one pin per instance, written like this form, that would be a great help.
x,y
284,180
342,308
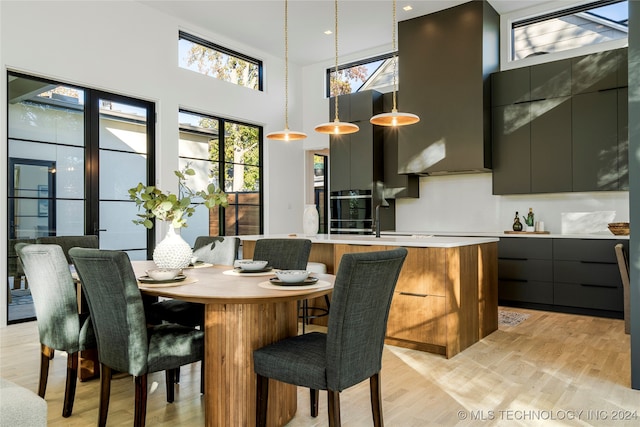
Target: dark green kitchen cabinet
x,y
532,147
550,80
447,58
596,71
551,145
578,112
595,139
355,160
511,87
511,149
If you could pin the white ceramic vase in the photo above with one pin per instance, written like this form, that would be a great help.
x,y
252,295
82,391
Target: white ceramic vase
x,y
172,251
310,220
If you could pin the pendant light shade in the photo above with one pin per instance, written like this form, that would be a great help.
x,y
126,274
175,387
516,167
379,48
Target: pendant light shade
x,y
286,134
394,118
337,127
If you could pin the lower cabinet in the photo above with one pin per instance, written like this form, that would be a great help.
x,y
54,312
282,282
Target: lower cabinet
x,y
445,300
568,275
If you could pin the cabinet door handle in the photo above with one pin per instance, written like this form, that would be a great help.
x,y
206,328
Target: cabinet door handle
x,y
589,285
411,294
596,262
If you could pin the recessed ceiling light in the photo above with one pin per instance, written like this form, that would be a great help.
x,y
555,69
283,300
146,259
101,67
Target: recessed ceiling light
x,y
328,32
407,8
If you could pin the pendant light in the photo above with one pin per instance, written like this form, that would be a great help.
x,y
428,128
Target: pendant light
x,y
337,127
286,134
394,118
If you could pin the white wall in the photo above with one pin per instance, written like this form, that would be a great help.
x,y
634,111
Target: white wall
x,y
127,48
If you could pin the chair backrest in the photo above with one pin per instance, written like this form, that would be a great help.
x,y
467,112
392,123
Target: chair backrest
x,y
623,265
54,295
360,304
115,304
216,249
68,242
14,265
283,254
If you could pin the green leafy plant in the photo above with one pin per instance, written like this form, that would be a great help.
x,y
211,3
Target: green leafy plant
x,y
169,207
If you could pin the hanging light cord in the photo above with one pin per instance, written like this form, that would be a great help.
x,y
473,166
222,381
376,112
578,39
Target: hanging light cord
x,y
335,78
395,57
286,65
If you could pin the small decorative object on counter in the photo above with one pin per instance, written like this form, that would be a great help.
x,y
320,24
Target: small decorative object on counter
x,y
529,220
517,225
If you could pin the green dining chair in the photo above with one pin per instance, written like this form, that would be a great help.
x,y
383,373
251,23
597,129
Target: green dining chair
x,y
60,327
125,342
350,351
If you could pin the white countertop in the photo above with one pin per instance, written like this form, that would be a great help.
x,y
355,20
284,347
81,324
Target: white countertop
x,y
500,234
416,240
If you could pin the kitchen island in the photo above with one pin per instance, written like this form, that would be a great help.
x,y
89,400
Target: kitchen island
x,y
446,298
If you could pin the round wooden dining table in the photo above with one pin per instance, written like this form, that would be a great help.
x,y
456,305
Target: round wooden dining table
x,y
243,312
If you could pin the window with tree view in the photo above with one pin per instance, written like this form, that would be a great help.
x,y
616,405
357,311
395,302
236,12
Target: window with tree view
x,y
207,58
372,73
230,159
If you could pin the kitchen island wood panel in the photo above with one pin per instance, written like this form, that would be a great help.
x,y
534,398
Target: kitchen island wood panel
x,y
446,298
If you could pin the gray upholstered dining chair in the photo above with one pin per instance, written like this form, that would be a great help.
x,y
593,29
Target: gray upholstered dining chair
x,y
351,350
283,254
68,242
60,327
218,250
125,343
287,254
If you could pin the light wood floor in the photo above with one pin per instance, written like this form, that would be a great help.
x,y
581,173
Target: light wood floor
x,y
552,370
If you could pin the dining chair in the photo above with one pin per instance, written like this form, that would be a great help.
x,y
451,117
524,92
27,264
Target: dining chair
x,y
125,342
14,266
68,242
60,326
350,351
623,265
288,254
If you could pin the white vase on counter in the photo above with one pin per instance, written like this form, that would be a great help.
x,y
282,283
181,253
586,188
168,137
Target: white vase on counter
x,y
172,251
310,220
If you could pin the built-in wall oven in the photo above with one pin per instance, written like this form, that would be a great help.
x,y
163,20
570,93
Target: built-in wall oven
x,y
351,212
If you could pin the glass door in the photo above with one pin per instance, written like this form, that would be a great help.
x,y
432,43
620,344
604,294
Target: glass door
x,y
124,134
73,154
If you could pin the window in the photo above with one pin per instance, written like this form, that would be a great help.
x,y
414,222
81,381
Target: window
x,y
231,160
567,29
207,58
372,73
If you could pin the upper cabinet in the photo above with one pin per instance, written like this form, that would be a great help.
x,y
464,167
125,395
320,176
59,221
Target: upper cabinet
x,y
566,121
356,160
446,61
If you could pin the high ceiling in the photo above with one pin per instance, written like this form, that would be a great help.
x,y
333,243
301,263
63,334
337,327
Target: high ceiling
x,y
362,24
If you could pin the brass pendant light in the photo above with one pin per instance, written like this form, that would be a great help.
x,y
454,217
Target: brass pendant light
x,y
286,134
394,118
337,127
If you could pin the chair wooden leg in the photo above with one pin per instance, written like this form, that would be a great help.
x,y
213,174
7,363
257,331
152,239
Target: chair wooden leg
x,y
262,399
140,411
46,353
105,394
70,387
314,395
376,401
177,375
170,376
334,408
202,376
